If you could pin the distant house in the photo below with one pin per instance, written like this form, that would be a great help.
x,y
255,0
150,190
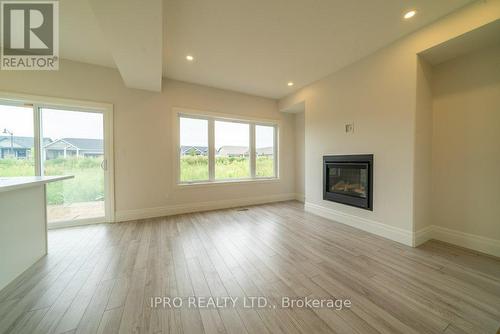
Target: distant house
x,y
265,151
74,147
232,151
194,150
17,147
241,151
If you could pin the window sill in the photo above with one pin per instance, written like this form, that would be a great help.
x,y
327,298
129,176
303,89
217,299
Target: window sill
x,y
227,182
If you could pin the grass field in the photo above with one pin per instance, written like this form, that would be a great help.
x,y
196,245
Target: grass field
x,y
87,186
13,167
195,168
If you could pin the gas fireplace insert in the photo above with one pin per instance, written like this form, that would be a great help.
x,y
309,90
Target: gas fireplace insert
x,y
348,179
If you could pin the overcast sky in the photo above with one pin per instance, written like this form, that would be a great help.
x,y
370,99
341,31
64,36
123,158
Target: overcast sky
x,y
63,124
55,123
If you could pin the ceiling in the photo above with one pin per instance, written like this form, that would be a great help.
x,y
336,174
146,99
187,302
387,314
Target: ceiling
x,y
482,37
256,46
80,37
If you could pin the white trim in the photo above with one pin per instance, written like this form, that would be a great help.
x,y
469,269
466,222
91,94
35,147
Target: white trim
x,y
199,206
414,239
211,153
109,156
37,102
422,235
390,232
53,102
211,117
203,114
276,152
37,141
300,197
197,184
252,151
75,223
466,240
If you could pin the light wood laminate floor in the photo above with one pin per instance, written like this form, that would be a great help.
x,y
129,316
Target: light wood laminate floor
x,y
100,278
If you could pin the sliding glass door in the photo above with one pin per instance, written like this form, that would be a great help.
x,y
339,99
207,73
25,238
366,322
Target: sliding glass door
x,y
16,141
57,139
74,145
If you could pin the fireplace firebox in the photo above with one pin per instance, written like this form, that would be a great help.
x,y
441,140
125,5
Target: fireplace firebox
x,y
348,179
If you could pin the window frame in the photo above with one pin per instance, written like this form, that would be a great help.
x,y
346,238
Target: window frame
x,y
37,103
211,117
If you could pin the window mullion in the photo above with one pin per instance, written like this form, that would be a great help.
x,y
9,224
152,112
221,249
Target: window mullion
x,y
276,151
38,140
252,150
211,150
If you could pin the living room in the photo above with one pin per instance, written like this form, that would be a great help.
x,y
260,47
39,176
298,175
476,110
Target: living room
x,y
293,167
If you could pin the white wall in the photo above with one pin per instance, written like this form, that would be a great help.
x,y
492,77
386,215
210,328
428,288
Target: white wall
x,y
379,94
423,147
300,155
466,144
144,155
383,127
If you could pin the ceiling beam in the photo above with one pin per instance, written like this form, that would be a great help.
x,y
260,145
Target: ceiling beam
x,y
134,32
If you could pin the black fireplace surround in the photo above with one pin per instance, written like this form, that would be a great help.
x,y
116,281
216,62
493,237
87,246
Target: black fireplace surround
x,y
348,179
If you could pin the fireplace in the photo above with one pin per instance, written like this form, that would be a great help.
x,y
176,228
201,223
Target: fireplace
x,y
348,179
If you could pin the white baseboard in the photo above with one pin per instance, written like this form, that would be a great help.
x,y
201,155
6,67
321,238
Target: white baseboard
x,y
390,232
423,235
200,206
75,223
300,197
462,239
414,239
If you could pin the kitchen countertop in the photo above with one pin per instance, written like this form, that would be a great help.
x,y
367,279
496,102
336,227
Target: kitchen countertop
x,y
14,183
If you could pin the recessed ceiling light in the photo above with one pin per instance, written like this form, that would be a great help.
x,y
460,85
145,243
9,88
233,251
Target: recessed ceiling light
x,y
189,58
410,14
290,84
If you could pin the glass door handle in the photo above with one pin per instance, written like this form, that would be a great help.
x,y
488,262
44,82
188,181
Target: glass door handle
x,y
104,164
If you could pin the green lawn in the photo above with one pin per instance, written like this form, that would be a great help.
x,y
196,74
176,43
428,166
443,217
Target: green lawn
x,y
195,168
13,167
87,186
264,167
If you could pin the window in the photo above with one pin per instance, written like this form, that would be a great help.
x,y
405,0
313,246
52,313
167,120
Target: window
x,y
193,149
16,141
264,151
232,150
52,137
218,149
70,136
